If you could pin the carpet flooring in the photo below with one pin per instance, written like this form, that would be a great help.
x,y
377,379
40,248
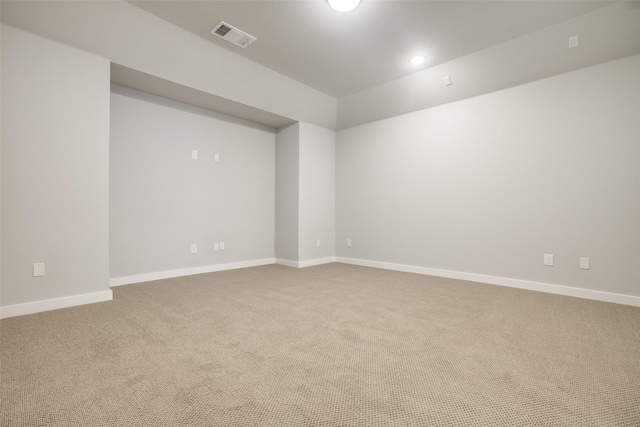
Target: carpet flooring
x,y
332,345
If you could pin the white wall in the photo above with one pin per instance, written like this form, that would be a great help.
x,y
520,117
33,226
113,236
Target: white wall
x,y
55,176
287,192
317,192
162,200
489,184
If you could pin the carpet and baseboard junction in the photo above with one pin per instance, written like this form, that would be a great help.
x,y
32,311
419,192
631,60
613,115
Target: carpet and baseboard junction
x,y
329,345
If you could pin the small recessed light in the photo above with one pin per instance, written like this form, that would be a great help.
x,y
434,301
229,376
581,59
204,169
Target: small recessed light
x,y
417,60
343,5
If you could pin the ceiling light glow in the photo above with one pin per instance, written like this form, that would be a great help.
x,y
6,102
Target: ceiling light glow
x,y
343,5
417,60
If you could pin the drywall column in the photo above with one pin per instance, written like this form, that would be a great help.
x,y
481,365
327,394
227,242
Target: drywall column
x,y
305,195
316,227
55,174
287,193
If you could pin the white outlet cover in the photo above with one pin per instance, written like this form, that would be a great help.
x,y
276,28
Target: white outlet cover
x,y
574,42
194,154
548,260
194,248
584,263
216,157
38,269
348,243
222,246
216,247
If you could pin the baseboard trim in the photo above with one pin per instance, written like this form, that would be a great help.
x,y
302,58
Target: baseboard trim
x,y
303,264
318,261
287,262
168,274
501,281
54,304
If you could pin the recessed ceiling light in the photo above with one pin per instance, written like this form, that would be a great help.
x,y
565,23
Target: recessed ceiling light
x,y
417,60
343,5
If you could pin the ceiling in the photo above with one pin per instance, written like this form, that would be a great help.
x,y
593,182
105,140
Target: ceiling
x,y
345,53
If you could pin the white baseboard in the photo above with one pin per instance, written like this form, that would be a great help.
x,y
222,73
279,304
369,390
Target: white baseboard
x,y
303,264
75,300
287,262
147,277
501,281
318,261
54,304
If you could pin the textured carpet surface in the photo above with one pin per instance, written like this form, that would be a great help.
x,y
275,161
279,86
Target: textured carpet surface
x,y
333,345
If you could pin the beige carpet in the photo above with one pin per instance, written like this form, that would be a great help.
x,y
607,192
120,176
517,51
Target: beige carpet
x,y
333,345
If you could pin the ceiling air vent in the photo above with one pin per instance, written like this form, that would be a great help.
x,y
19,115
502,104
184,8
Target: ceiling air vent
x,y
232,34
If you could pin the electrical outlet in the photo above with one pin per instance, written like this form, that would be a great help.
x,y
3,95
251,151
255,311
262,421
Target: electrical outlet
x,y
548,260
38,269
194,154
194,248
348,243
318,242
574,42
584,263
216,247
222,246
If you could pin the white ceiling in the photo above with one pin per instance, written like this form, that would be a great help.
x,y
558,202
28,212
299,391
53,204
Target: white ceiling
x,y
344,53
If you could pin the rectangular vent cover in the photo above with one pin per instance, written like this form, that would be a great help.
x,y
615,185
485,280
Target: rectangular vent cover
x,y
233,35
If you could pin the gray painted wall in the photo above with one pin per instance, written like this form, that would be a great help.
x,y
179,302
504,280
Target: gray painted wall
x,y
162,200
55,176
287,192
489,184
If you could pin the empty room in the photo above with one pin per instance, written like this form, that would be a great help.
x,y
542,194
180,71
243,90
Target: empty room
x,y
339,213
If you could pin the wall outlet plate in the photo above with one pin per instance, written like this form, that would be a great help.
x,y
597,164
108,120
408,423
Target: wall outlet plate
x,y
584,263
574,42
38,269
548,260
